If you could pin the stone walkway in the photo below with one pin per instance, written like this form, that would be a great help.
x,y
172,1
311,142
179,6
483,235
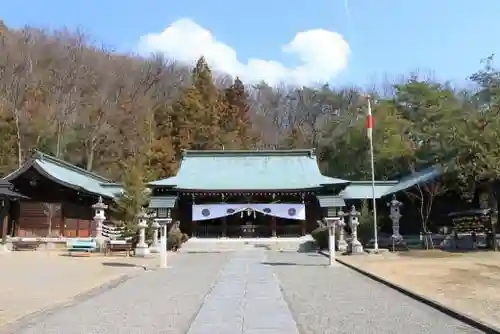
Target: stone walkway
x,y
239,293
246,299
338,300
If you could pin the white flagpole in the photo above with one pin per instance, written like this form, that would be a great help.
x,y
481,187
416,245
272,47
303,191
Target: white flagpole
x,y
369,129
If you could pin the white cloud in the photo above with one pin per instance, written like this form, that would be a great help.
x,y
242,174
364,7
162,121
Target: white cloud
x,y
322,54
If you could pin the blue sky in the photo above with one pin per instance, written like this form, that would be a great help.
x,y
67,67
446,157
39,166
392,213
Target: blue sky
x,y
385,36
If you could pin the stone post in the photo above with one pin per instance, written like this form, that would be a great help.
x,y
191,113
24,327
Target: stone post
x,y
331,222
356,247
395,216
155,246
342,243
163,243
99,218
141,249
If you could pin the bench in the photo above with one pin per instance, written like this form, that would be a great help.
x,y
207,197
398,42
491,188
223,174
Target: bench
x,y
119,246
81,246
25,245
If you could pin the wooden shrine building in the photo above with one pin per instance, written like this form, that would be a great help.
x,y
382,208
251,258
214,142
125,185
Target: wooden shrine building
x,y
60,198
247,193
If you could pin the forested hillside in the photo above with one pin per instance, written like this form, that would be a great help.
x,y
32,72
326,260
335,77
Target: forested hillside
x,y
105,112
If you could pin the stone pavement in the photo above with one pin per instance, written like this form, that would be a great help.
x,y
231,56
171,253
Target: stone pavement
x,y
328,300
246,299
239,293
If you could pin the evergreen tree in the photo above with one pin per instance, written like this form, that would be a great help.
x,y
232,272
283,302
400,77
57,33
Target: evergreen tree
x,y
134,197
194,117
236,123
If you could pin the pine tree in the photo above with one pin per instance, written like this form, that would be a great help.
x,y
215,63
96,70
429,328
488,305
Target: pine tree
x,y
236,122
194,117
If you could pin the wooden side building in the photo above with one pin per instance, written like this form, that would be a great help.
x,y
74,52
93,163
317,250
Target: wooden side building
x,y
60,198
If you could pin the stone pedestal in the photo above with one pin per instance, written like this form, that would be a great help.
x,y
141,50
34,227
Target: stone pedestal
x,y
355,247
155,246
141,249
4,248
342,244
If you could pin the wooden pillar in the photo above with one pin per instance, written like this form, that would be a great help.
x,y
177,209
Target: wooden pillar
x,y
5,223
62,227
273,227
193,228
5,218
224,227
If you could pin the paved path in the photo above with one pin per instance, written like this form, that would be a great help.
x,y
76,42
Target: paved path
x,y
246,299
328,300
239,293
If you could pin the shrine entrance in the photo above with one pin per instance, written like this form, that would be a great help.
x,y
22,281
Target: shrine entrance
x,y
253,220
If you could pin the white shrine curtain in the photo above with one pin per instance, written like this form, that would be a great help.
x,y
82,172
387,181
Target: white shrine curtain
x,y
282,210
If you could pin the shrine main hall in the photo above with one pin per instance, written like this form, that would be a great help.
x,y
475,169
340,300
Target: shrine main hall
x,y
256,194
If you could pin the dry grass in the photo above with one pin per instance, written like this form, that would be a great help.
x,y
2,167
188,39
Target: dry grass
x,y
32,281
466,282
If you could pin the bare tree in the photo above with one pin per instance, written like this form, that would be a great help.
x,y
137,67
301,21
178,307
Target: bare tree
x,y
423,197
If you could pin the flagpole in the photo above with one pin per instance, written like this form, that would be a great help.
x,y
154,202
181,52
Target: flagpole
x,y
369,129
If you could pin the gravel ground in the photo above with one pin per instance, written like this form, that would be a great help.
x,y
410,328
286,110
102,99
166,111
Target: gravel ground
x,y
322,299
338,300
153,302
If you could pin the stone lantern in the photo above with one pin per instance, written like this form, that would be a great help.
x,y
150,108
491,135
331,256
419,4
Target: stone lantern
x,y
99,218
141,249
356,247
395,215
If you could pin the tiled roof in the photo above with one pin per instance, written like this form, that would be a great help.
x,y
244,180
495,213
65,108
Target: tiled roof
x,y
248,170
68,175
363,189
417,178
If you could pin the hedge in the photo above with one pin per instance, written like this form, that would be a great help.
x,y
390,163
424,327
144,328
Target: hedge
x,y
320,236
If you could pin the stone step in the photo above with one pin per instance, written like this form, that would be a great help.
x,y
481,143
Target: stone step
x,y
228,244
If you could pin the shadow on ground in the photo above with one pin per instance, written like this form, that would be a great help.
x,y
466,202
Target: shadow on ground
x,y
284,264
429,254
76,254
122,265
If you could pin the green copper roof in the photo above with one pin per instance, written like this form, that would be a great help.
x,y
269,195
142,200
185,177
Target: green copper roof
x,y
159,202
363,189
67,175
417,178
248,170
330,201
